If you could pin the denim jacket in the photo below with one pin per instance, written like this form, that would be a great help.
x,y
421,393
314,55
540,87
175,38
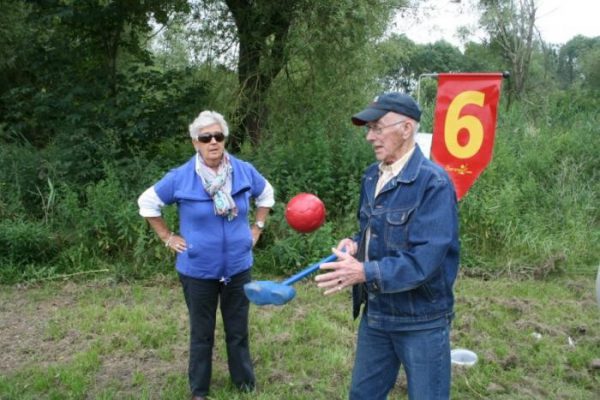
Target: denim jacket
x,y
413,252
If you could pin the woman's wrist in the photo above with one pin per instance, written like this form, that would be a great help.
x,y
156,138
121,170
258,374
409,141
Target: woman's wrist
x,y
168,241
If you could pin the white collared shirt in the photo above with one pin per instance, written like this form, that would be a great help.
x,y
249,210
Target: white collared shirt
x,y
150,204
388,171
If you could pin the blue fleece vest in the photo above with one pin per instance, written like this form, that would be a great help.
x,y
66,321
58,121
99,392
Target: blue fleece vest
x,y
217,248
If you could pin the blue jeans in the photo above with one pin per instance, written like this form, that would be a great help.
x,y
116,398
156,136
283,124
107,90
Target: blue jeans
x,y
202,297
425,355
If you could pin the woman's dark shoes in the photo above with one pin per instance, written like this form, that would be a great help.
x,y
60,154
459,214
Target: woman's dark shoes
x,y
246,387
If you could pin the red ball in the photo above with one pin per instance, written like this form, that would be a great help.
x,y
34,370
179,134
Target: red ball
x,y
305,212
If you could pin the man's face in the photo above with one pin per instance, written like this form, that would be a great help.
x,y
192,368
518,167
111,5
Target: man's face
x,y
391,137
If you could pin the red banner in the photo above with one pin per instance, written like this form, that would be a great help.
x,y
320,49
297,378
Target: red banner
x,y
465,124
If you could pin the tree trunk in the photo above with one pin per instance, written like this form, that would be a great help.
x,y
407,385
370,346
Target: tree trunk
x,y
262,32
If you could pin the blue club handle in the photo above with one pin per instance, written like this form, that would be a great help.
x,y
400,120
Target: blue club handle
x,y
308,270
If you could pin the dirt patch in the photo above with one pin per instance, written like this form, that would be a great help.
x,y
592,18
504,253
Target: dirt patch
x,y
119,371
24,330
36,331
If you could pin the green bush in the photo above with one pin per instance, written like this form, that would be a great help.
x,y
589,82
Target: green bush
x,y
23,178
327,165
73,162
23,244
26,242
534,210
283,251
104,224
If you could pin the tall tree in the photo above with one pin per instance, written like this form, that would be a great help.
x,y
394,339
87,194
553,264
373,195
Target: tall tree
x,y
404,61
591,67
573,58
397,53
511,26
59,56
262,29
98,30
263,32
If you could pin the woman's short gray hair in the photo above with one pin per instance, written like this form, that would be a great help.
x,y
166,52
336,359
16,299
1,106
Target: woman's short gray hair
x,y
207,118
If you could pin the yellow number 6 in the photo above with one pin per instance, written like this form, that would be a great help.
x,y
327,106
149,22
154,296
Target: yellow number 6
x,y
454,124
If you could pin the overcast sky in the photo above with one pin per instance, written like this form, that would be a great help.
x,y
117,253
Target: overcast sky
x,y
557,20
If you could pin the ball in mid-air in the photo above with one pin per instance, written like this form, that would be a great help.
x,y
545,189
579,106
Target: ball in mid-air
x,y
305,212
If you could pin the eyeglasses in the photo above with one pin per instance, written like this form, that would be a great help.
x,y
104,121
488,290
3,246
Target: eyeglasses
x,y
378,130
208,137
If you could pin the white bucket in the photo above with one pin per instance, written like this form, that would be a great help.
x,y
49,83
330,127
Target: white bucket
x,y
463,357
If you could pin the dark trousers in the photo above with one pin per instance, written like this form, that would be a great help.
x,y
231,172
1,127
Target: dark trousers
x,y
202,297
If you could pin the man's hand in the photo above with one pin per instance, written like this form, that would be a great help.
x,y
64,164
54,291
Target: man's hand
x,y
346,271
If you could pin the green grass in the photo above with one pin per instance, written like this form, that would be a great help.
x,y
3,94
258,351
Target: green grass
x,y
102,340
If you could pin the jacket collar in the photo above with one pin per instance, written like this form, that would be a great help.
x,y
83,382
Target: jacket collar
x,y
413,165
409,172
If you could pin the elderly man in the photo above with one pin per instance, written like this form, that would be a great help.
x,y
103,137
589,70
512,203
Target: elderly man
x,y
403,262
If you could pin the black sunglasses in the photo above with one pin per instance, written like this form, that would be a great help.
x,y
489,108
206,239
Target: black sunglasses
x,y
208,137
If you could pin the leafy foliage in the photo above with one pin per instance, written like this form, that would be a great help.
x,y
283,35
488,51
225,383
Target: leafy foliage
x,y
511,26
578,62
89,120
535,208
25,242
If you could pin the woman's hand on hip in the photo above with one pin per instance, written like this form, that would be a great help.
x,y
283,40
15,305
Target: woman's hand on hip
x,y
256,231
177,243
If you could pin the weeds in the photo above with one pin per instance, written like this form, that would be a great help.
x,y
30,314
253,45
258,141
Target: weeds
x,y
102,340
532,213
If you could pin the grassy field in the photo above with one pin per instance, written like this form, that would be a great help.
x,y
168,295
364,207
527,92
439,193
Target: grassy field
x,y
102,340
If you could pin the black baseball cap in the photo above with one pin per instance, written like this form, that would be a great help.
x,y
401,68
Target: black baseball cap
x,y
396,102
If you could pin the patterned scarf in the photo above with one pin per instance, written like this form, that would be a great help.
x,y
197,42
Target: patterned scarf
x,y
218,186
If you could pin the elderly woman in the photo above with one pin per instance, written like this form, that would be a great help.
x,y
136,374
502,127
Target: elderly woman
x,y
214,244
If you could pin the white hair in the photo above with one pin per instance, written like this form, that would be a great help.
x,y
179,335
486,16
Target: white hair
x,y
207,118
